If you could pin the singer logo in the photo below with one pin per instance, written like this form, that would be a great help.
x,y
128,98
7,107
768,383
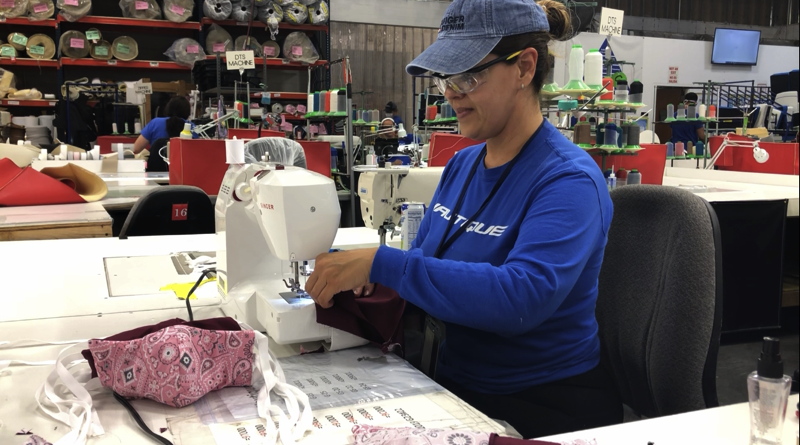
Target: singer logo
x,y
266,206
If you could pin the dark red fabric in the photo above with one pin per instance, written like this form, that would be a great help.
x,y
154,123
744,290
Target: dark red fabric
x,y
27,186
494,439
376,317
211,324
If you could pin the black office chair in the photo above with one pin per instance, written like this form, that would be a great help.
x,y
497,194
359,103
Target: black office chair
x,y
170,210
660,301
155,163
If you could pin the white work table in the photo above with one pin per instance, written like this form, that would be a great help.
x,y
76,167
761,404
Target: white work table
x,y
82,220
729,186
726,425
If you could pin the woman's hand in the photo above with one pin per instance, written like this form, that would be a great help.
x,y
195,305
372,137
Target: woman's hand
x,y
339,271
365,290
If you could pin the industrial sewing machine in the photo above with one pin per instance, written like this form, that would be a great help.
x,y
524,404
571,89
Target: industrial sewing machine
x,y
384,190
271,219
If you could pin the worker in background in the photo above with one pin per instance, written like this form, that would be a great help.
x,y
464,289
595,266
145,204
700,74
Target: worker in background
x,y
688,131
509,253
391,112
176,113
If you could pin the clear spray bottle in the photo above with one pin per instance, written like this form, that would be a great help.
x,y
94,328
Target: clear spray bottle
x,y
768,389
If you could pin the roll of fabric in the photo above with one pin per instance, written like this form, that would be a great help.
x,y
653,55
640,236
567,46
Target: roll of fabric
x,y
93,35
124,48
298,47
272,10
271,49
73,44
100,50
47,120
296,13
217,9
13,8
8,50
5,117
41,9
26,121
185,51
178,11
244,43
242,11
140,9
318,13
218,40
307,2
40,46
72,12
17,40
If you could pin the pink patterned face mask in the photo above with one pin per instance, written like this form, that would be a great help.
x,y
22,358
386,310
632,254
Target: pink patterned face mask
x,y
174,362
176,365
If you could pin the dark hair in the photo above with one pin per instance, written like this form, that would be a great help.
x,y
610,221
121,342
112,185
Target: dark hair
x,y
391,107
690,96
178,106
177,111
560,29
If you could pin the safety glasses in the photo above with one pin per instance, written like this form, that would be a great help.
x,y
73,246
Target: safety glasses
x,y
469,80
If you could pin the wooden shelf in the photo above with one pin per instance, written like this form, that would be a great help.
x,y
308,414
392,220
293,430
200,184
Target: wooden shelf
x,y
281,25
134,23
25,61
40,103
145,64
47,23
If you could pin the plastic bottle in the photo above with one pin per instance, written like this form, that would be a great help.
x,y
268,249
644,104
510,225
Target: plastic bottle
x,y
371,158
634,177
768,391
593,69
612,181
186,133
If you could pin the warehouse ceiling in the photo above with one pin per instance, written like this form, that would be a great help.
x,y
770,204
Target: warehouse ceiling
x,y
696,20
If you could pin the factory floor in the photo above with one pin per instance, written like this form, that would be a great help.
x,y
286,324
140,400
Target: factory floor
x,y
738,354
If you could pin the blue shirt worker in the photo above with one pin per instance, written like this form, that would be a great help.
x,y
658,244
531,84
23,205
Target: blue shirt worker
x,y
509,253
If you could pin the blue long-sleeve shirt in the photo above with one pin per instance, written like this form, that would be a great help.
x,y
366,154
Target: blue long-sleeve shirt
x,y
517,291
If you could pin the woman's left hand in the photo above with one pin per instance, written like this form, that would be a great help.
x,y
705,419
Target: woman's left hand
x,y
339,271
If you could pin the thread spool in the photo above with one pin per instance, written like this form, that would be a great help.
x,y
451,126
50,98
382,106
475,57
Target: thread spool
x,y
375,115
333,98
137,127
234,151
600,133
576,70
701,111
670,150
670,113
621,91
634,134
342,99
430,112
700,148
691,111
680,151
314,108
712,111
582,135
622,140
593,69
365,116
608,85
681,112
689,148
310,104
636,92
611,134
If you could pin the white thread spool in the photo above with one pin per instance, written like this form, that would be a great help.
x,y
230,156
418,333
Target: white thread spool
x,y
593,69
234,151
120,149
576,63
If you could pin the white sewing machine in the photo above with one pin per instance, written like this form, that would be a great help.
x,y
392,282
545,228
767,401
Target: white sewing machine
x,y
270,220
384,190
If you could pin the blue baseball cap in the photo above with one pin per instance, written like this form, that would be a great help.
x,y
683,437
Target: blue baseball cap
x,y
470,30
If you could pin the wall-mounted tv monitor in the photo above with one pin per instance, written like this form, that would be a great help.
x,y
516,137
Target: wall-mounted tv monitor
x,y
735,46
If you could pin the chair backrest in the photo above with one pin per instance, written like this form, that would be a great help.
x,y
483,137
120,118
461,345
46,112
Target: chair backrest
x,y
170,210
285,151
659,307
155,163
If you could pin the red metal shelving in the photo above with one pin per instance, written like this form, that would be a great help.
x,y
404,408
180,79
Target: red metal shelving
x,y
282,25
47,23
41,103
24,61
147,64
135,23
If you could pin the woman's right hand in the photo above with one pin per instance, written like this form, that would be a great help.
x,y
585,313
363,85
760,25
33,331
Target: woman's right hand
x,y
364,291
